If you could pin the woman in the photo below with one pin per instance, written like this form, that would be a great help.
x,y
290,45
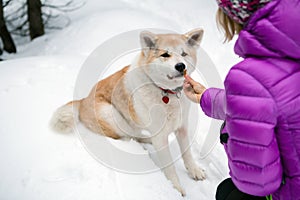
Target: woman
x,y
261,100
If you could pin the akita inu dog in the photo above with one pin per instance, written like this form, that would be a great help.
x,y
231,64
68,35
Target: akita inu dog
x,y
144,96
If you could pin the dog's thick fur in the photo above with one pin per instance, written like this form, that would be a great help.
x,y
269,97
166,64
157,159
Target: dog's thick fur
x,y
130,100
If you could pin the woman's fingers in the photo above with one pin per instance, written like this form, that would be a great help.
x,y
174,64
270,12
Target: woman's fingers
x,y
190,80
187,85
189,91
198,88
193,89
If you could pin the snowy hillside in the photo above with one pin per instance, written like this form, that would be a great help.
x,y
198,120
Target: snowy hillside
x,y
39,164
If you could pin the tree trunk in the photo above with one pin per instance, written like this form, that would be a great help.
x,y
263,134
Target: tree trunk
x,y
8,43
36,25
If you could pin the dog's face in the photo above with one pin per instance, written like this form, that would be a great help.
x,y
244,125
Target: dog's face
x,y
164,57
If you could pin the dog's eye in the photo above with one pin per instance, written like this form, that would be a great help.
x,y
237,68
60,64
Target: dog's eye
x,y
184,54
165,55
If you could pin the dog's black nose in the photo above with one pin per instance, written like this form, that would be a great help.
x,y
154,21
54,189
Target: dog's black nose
x,y
180,67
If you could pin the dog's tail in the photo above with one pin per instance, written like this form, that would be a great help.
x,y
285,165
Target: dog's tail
x,y
66,117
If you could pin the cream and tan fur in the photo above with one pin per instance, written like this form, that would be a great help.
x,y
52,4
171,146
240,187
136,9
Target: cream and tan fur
x,y
130,100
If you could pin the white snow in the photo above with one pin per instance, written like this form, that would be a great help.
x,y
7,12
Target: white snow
x,y
39,164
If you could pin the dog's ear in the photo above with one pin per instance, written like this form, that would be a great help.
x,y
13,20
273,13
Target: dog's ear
x,y
148,41
194,37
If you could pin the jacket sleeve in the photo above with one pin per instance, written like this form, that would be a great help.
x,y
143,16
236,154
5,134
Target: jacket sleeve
x,y
213,103
252,149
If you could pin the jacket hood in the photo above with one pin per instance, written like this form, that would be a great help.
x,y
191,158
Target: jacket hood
x,y
272,31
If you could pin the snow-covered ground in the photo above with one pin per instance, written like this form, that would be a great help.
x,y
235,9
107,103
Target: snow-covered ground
x,y
39,164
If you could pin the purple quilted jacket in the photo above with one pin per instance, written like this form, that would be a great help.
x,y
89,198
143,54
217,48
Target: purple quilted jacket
x,y
261,104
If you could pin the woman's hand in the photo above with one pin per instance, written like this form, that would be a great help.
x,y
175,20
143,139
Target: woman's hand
x,y
192,89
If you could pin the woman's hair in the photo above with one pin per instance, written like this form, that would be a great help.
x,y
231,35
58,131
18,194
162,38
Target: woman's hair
x,y
229,26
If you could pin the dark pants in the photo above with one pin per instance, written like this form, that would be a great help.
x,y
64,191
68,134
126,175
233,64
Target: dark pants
x,y
228,191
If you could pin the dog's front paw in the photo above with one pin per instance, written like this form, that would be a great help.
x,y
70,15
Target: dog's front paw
x,y
196,172
180,189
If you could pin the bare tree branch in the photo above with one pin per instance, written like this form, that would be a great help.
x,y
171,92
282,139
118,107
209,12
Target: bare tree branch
x,y
21,8
6,3
16,17
67,7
